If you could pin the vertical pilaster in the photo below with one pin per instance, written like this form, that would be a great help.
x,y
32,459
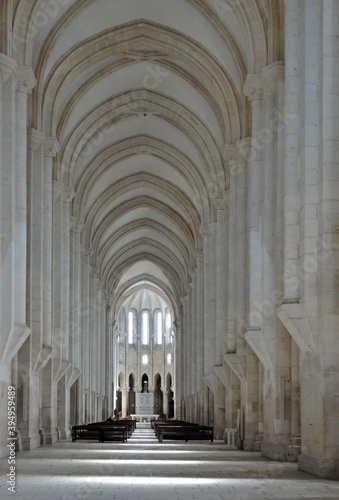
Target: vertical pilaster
x,y
253,89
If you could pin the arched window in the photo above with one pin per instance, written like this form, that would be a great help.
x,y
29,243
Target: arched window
x,y
158,327
144,359
145,327
168,327
131,326
169,359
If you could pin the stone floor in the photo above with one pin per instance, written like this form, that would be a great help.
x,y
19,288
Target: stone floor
x,y
145,469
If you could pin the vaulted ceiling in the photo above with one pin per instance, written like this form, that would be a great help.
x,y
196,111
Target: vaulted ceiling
x,y
142,97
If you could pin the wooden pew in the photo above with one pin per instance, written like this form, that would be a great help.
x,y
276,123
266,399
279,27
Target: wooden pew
x,y
99,432
129,424
186,431
171,423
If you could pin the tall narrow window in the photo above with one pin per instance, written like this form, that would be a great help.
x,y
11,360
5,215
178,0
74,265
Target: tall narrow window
x,y
145,327
130,327
144,359
168,326
158,327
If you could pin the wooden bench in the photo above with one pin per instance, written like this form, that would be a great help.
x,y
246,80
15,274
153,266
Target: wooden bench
x,y
129,424
99,432
185,432
171,423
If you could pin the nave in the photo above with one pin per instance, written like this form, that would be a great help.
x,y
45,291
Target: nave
x,y
144,469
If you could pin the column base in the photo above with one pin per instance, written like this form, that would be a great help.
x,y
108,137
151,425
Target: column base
x,y
281,452
275,451
294,448
51,437
252,444
324,468
30,442
64,434
248,445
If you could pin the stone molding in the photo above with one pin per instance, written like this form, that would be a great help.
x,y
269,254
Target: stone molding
x,y
25,80
8,67
253,88
51,147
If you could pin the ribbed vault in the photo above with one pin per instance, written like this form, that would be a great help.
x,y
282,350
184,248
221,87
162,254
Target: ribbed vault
x,y
142,99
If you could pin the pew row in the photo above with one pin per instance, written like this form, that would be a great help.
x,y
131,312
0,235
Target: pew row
x,y
182,431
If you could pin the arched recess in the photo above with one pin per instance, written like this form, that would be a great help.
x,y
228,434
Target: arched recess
x,y
131,394
144,383
158,395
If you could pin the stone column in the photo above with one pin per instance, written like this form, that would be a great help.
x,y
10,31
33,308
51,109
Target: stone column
x,y
24,84
230,155
200,320
320,366
290,123
193,343
67,197
48,388
9,340
254,91
177,372
124,393
165,401
50,150
221,270
86,329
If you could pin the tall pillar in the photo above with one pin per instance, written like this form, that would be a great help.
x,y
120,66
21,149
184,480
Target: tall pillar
x,y
253,89
49,398
200,321
24,84
320,364
9,339
221,270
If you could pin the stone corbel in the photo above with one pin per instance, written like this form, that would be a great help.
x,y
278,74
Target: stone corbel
x,y
45,354
51,147
244,148
25,80
257,342
253,88
18,335
68,194
230,155
233,362
294,319
75,374
36,138
211,382
223,373
63,368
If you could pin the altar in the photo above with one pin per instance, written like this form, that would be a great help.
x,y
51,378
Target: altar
x,y
144,418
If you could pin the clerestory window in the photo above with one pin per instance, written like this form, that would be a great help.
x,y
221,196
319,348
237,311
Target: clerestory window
x,y
158,327
145,327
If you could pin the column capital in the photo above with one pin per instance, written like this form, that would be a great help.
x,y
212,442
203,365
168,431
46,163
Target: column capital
x,y
25,80
51,147
253,88
68,194
220,202
212,228
35,137
198,255
244,147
